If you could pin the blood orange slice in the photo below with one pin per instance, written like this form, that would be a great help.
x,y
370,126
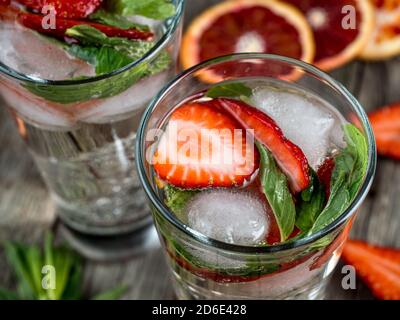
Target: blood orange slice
x,y
263,26
385,41
341,28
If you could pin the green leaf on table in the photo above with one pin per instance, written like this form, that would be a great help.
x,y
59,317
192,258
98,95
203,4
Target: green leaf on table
x,y
27,262
276,188
113,294
310,204
16,258
115,20
229,90
8,295
347,177
177,199
154,9
35,264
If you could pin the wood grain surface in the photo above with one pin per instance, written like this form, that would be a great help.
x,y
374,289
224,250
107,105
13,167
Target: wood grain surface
x,y
26,210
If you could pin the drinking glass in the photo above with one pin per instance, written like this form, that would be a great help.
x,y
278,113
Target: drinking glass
x,y
81,133
300,268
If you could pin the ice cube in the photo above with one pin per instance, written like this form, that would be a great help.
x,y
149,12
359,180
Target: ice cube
x,y
235,217
305,120
27,52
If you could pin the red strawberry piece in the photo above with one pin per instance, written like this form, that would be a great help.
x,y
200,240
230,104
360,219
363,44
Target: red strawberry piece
x,y
378,267
324,174
34,22
386,126
5,2
290,157
196,150
69,9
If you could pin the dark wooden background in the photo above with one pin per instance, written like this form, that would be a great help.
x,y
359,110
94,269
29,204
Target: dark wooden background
x,y
26,210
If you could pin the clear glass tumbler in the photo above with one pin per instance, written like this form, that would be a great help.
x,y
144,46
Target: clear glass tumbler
x,y
82,134
298,269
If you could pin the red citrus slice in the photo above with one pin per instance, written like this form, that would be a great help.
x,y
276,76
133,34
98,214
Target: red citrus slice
x,y
385,40
264,26
341,28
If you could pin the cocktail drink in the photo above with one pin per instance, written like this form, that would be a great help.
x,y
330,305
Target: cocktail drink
x,y
254,177
76,76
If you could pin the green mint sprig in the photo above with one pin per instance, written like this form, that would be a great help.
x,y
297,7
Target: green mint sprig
x,y
115,20
347,177
154,9
106,54
310,204
177,199
276,189
229,90
27,263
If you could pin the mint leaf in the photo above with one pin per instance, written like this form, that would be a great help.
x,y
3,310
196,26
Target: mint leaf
x,y
177,199
113,294
101,89
115,20
8,295
154,9
276,189
160,64
35,264
27,263
347,177
109,59
114,52
106,54
16,257
229,90
310,205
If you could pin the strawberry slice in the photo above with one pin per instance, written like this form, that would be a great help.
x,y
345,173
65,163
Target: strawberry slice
x,y
324,174
386,126
290,157
69,9
202,147
34,22
378,267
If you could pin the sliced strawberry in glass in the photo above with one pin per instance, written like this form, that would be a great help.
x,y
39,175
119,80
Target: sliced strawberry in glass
x,y
289,156
34,22
203,147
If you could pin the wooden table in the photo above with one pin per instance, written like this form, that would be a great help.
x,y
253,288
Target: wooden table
x,y
26,210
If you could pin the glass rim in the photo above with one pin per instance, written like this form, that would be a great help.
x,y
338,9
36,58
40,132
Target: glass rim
x,y
158,46
170,217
